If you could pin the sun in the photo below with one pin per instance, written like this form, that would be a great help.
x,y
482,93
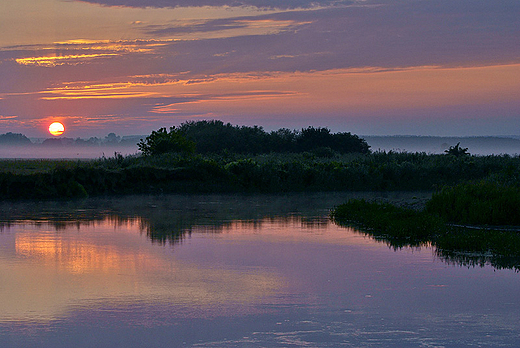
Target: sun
x,y
56,128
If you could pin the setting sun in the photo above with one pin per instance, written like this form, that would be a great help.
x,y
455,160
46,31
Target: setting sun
x,y
56,128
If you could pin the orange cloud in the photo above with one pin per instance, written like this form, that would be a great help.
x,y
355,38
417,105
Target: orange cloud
x,y
348,90
61,60
339,92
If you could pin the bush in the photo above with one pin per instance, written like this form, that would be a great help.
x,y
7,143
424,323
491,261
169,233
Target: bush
x,y
162,141
217,137
457,150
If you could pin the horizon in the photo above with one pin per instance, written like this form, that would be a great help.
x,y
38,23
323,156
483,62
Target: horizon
x,y
63,147
378,67
101,136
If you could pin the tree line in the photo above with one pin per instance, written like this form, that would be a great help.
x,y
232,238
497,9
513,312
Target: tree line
x,y
215,136
18,139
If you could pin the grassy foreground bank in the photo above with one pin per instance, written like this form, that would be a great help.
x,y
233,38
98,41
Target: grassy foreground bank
x,y
231,172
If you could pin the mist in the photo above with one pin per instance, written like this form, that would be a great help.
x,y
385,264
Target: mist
x,y
18,146
437,145
35,152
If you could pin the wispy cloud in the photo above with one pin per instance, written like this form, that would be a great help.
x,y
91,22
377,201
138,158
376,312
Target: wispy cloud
x,y
237,96
5,120
50,61
285,4
335,58
258,25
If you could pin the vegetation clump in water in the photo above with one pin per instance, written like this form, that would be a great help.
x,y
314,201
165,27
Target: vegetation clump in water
x,y
480,203
401,226
439,223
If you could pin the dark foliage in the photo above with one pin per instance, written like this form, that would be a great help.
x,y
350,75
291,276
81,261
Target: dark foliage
x,y
163,141
312,138
218,137
457,151
481,203
14,139
319,170
401,227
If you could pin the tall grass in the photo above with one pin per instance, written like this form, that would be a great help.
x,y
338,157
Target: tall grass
x,y
477,203
232,172
481,203
400,226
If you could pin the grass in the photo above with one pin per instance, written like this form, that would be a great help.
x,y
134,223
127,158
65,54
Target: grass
x,y
232,172
433,226
383,220
478,203
33,166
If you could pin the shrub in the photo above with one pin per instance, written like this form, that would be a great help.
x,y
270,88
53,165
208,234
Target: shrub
x,y
162,141
457,150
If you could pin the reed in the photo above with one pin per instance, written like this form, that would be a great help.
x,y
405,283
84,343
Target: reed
x,y
384,220
236,172
478,203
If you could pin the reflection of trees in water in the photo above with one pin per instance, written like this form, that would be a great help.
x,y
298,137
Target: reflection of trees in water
x,y
170,218
161,227
464,258
173,230
392,242
479,260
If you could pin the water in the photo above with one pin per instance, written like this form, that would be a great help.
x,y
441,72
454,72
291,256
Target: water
x,y
234,271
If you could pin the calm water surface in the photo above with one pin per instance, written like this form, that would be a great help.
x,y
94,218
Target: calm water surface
x,y
234,271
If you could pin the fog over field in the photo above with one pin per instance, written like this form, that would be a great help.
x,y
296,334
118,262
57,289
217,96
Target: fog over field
x,y
37,152
68,148
19,146
476,145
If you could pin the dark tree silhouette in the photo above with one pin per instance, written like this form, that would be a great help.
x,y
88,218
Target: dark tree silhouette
x,y
14,139
162,141
217,137
457,151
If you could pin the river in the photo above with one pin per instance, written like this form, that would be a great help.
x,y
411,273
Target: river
x,y
235,271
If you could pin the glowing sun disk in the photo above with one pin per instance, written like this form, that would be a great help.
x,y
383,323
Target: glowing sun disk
x,y
56,128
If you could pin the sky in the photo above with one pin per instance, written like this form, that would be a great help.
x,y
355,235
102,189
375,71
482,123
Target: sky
x,y
372,67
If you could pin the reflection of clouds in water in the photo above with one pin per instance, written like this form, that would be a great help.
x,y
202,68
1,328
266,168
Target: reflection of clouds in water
x,y
99,264
78,256
67,260
240,279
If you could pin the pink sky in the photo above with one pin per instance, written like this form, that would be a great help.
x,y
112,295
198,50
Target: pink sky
x,y
432,67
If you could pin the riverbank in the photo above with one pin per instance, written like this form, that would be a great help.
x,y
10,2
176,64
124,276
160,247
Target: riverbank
x,y
479,220
229,172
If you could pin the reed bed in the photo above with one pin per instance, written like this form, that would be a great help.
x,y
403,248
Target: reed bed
x,y
234,172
